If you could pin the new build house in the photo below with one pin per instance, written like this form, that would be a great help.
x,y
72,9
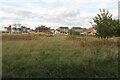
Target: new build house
x,y
42,29
63,30
78,29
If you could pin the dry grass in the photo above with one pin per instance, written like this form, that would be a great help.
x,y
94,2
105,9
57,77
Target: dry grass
x,y
18,37
60,57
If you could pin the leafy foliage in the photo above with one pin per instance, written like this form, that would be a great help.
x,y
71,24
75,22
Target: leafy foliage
x,y
105,25
8,28
72,32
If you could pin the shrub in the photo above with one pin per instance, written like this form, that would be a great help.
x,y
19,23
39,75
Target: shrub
x,y
105,25
72,32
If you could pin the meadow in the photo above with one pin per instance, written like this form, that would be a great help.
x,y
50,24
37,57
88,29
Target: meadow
x,y
59,56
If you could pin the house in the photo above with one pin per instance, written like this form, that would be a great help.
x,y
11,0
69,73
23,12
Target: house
x,y
83,31
52,31
63,30
78,29
42,29
24,29
91,31
32,31
28,30
57,32
16,28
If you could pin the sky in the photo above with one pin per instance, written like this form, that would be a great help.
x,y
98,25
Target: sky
x,y
53,13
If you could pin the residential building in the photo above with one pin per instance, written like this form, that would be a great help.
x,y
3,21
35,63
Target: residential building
x,y
32,31
78,29
16,28
63,30
42,29
52,31
28,30
91,31
24,29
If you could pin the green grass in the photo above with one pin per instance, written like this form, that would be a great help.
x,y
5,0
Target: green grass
x,y
60,57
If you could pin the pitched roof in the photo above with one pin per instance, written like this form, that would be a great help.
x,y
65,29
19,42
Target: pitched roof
x,y
76,27
28,28
84,29
64,27
23,27
42,27
91,28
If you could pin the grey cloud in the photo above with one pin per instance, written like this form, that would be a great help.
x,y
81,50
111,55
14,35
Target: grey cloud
x,y
16,12
17,20
66,17
69,15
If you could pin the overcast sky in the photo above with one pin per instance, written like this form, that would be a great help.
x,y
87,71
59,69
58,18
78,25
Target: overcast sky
x,y
53,13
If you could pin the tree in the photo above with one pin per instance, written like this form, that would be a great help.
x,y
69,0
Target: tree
x,y
117,29
105,25
9,28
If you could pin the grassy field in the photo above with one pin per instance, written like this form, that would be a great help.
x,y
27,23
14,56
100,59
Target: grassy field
x,y
60,57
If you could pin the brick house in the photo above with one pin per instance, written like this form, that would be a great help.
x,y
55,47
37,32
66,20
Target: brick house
x,y
42,29
63,30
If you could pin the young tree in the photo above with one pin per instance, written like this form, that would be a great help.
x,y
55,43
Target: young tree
x,y
117,28
9,28
105,25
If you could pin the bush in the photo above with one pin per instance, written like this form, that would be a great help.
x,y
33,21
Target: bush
x,y
72,32
105,25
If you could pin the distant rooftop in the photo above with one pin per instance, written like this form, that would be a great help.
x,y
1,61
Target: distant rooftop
x,y
76,27
64,27
28,28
